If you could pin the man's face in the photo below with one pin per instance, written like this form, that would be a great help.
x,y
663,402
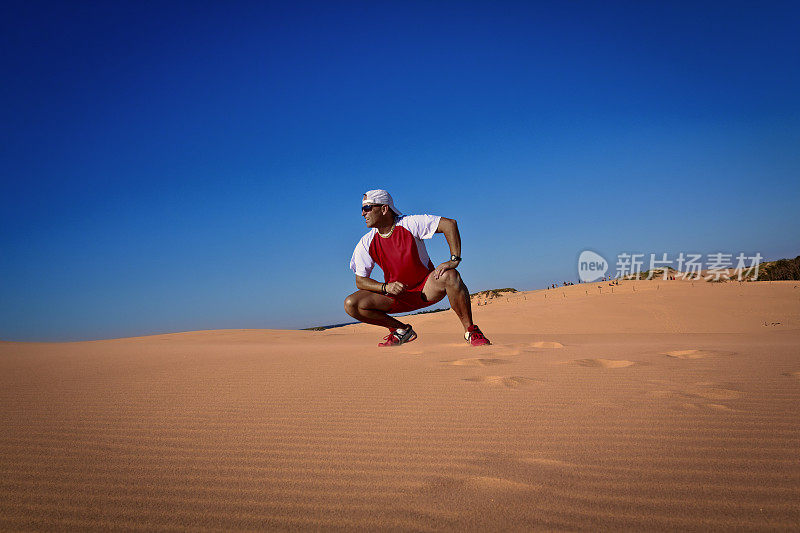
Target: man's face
x,y
374,215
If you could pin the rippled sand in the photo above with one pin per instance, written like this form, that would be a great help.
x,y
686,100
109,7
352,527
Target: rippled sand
x,y
674,406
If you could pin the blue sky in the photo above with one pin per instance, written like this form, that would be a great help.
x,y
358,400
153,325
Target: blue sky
x,y
199,165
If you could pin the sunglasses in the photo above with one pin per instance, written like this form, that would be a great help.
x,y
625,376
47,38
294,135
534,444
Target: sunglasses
x,y
365,208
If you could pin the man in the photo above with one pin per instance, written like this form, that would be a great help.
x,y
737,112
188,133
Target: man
x,y
411,282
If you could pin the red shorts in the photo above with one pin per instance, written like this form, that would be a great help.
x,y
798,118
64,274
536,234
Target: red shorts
x,y
410,300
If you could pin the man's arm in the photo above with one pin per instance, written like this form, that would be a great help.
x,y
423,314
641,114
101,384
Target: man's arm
x,y
449,227
369,284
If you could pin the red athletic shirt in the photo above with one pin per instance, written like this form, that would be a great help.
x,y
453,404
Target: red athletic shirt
x,y
402,255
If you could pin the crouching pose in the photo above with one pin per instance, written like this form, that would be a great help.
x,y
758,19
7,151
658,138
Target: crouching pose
x,y
395,243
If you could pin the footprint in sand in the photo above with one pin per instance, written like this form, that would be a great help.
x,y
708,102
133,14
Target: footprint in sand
x,y
716,393
688,396
478,362
545,344
510,350
694,354
604,363
511,382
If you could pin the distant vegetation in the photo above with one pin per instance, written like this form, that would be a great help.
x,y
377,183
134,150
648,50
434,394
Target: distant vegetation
x,y
651,274
430,311
494,292
782,269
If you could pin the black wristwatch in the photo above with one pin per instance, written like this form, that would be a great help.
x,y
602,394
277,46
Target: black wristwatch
x,y
455,258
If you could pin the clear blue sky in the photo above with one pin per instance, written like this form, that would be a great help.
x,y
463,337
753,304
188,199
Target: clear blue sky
x,y
169,166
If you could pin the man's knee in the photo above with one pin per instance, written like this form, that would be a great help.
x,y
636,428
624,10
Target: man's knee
x,y
350,304
451,278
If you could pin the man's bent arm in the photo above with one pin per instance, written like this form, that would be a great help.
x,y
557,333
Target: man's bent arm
x,y
369,284
449,227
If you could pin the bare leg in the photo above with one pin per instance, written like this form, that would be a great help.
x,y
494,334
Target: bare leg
x,y
460,302
371,308
450,283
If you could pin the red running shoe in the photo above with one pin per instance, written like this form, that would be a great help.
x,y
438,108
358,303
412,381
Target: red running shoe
x,y
395,339
475,337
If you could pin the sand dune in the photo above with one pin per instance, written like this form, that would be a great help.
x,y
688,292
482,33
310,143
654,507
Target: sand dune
x,y
658,406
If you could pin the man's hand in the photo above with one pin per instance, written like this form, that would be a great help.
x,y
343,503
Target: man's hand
x,y
396,287
444,267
